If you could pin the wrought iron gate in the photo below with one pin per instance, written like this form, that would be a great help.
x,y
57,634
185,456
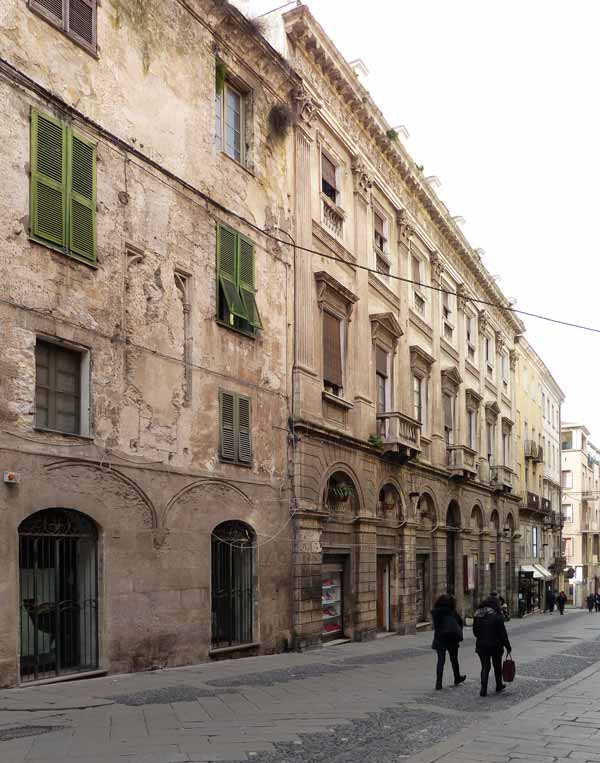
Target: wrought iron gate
x,y
232,584
59,593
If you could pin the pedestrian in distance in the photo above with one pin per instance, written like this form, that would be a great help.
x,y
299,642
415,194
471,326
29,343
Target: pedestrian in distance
x,y
591,600
597,601
491,641
550,601
447,635
561,601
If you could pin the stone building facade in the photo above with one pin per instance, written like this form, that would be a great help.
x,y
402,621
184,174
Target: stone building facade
x,y
403,396
144,394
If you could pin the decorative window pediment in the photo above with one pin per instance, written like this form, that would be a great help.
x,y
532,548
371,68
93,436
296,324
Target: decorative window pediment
x,y
385,329
492,411
420,360
333,294
473,399
451,379
507,425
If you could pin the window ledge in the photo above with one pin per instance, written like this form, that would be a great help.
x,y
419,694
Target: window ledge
x,y
229,649
337,400
243,464
89,49
87,438
235,161
58,250
247,334
420,322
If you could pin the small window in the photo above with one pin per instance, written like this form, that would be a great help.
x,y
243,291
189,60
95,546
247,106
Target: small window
x,y
566,479
491,442
534,542
489,355
230,122
235,428
63,188
470,333
449,405
472,428
328,179
505,370
61,388
420,400
236,294
332,354
379,226
76,18
506,448
567,512
418,278
382,380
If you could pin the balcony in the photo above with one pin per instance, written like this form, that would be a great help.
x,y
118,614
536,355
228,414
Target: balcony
x,y
546,505
332,217
461,461
532,502
400,434
552,518
501,478
539,456
531,449
588,495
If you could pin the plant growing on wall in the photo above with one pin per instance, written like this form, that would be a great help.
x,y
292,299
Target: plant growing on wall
x,y
375,441
392,134
220,76
280,119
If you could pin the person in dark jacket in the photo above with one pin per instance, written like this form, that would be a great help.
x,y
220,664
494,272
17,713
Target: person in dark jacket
x,y
491,640
561,601
550,601
597,602
591,600
447,635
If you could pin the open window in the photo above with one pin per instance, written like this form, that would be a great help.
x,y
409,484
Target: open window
x,y
236,293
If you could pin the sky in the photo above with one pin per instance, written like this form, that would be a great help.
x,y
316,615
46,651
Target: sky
x,y
501,103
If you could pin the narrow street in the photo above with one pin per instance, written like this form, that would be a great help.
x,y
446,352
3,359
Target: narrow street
x,y
353,703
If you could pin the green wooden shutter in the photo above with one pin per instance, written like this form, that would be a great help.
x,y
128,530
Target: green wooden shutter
x,y
246,282
82,197
227,425
48,179
227,244
244,439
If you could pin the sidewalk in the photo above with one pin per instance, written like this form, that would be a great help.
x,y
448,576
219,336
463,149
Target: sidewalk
x,y
357,703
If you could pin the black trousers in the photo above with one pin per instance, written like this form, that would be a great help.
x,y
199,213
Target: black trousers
x,y
487,660
441,661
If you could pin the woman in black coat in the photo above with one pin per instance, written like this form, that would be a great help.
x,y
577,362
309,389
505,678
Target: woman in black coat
x,y
447,635
491,641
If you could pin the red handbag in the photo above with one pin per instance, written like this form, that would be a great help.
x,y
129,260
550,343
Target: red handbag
x,y
509,670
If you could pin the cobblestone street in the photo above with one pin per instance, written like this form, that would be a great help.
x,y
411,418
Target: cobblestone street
x,y
367,703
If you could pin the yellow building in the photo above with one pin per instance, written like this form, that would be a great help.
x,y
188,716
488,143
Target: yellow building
x,y
538,400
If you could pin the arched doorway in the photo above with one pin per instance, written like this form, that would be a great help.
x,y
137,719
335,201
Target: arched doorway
x,y
232,552
58,572
389,563
452,528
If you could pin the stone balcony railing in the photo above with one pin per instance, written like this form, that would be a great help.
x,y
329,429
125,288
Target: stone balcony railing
x,y
399,433
332,217
461,461
588,495
501,477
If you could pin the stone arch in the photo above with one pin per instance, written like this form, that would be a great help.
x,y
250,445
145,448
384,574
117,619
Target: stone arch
x,y
453,518
99,484
495,522
427,505
476,519
343,472
510,523
389,486
231,497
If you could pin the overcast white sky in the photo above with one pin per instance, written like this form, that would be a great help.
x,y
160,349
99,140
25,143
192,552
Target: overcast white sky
x,y
501,102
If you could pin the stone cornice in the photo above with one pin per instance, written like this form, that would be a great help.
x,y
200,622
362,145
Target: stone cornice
x,y
303,30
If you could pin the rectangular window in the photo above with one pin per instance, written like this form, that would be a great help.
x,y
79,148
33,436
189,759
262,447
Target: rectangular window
x,y
420,401
381,376
332,354
63,188
568,548
418,277
447,313
472,428
534,542
489,354
76,18
505,367
380,238
236,300
230,122
235,428
449,403
491,442
506,448
566,479
328,179
470,334
567,512
60,388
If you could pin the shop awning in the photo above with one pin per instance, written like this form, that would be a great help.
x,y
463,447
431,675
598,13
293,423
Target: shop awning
x,y
530,569
543,573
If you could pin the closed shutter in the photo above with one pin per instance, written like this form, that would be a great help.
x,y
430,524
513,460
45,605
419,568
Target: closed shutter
x,y
381,361
227,267
51,9
328,170
246,282
448,413
244,438
81,22
227,425
82,197
48,179
332,350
